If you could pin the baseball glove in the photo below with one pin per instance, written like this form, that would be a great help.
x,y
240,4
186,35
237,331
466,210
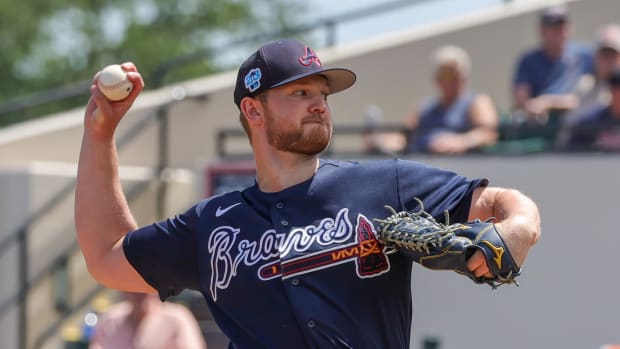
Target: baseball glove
x,y
448,247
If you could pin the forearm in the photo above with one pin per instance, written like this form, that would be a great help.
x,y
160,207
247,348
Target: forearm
x,y
480,136
521,96
102,215
556,102
518,221
517,217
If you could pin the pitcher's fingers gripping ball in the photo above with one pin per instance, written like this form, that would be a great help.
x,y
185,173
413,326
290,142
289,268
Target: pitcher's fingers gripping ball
x,y
448,247
113,83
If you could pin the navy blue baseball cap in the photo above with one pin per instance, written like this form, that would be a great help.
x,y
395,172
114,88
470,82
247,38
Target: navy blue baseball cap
x,y
284,61
554,15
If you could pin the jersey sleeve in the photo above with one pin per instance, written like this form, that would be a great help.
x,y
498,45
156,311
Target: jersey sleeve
x,y
588,57
521,73
439,190
165,253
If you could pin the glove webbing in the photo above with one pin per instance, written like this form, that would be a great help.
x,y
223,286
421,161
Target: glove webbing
x,y
431,232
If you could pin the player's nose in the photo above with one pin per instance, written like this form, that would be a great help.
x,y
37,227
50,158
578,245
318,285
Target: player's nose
x,y
318,105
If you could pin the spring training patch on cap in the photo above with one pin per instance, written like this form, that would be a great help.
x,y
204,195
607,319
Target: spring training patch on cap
x,y
252,79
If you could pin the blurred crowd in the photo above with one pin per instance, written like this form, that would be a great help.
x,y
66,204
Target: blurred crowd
x,y
565,97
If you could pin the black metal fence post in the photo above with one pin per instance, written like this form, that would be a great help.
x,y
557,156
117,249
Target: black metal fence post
x,y
162,161
330,28
22,275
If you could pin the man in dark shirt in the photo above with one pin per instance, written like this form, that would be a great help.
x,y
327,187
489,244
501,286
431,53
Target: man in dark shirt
x,y
545,77
599,129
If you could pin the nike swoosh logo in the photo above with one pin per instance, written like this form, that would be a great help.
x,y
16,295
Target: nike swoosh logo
x,y
220,211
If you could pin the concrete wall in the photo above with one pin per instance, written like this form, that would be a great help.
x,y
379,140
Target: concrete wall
x,y
568,296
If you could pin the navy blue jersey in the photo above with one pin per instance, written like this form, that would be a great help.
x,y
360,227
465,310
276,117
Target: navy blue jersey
x,y
301,268
597,129
554,76
436,119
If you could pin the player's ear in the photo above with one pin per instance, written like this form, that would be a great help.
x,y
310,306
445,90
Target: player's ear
x,y
250,108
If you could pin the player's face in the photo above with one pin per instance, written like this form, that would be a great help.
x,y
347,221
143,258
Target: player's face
x,y
297,116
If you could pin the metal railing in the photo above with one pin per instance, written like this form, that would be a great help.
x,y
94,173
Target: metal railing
x,y
513,139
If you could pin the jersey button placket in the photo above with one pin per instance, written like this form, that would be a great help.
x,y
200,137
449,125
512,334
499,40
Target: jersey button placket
x,y
280,223
311,323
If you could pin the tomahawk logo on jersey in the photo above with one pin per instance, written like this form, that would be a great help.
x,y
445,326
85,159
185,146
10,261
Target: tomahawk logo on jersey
x,y
229,252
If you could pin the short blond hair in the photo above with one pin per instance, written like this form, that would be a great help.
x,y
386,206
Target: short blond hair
x,y
451,55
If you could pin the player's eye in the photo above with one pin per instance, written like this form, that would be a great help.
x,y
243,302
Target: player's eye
x,y
300,92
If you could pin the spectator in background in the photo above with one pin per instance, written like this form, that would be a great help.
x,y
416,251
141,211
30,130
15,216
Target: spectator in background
x,y
546,77
593,91
457,120
142,321
377,139
599,129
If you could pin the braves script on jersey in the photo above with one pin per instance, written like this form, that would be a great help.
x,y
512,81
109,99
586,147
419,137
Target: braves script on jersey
x,y
301,268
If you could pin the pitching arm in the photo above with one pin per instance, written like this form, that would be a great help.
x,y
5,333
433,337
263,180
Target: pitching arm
x,y
102,215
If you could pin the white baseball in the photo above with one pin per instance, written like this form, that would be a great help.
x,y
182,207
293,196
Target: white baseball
x,y
113,83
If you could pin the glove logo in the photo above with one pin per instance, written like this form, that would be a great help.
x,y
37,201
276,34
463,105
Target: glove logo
x,y
498,252
460,226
